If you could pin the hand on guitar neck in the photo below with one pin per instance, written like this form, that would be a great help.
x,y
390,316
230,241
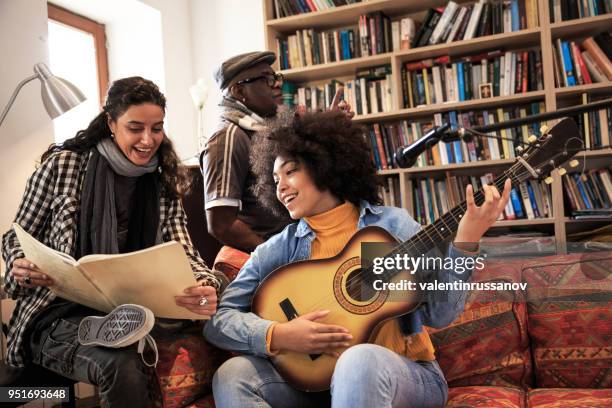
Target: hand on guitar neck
x,y
305,335
477,220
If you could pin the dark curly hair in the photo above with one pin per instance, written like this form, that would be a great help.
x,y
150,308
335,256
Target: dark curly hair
x,y
332,148
122,94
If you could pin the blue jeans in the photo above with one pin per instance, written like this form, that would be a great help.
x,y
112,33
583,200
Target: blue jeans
x,y
366,376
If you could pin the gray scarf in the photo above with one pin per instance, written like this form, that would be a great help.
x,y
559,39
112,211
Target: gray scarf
x,y
121,164
237,113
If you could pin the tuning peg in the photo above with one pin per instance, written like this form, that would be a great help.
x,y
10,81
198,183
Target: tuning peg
x,y
548,180
519,149
574,163
543,129
532,139
562,171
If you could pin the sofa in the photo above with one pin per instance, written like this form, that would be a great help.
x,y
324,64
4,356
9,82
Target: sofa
x,y
548,346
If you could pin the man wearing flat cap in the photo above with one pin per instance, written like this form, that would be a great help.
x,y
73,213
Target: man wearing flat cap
x,y
251,92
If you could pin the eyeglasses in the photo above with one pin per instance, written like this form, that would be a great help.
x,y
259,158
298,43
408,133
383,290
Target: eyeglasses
x,y
271,79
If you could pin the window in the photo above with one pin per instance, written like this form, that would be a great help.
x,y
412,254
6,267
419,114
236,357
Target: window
x,y
77,52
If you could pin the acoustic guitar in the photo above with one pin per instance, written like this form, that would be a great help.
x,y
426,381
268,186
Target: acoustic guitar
x,y
340,284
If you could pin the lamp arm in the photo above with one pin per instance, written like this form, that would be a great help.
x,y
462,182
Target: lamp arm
x,y
14,95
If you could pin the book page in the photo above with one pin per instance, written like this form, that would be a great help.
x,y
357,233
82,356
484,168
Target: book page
x,y
150,277
70,283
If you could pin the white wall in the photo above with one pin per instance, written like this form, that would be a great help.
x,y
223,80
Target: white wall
x,y
221,29
27,130
151,38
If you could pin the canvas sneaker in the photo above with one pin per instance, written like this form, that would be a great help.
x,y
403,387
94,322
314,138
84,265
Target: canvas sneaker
x,y
123,326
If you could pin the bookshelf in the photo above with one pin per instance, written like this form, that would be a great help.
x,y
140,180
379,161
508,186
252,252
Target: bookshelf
x,y
542,37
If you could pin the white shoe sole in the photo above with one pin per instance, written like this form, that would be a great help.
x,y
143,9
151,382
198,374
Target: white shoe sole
x,y
123,326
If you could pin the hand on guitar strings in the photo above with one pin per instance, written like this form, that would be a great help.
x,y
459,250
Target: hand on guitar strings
x,y
478,219
305,335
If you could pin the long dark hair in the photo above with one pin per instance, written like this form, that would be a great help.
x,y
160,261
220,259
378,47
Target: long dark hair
x,y
332,148
122,94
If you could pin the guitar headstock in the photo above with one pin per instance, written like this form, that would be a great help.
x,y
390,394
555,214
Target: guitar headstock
x,y
553,149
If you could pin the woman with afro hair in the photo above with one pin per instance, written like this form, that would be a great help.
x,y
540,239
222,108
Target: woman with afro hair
x,y
317,168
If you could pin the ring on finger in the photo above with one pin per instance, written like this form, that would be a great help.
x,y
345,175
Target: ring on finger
x,y
26,279
203,301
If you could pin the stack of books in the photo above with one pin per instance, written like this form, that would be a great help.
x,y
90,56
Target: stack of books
x,y
370,92
495,73
583,63
485,17
561,10
590,194
386,138
286,8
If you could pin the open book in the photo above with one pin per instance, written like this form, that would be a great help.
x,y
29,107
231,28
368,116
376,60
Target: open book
x,y
150,277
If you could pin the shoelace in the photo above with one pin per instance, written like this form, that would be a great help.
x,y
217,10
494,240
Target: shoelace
x,y
141,345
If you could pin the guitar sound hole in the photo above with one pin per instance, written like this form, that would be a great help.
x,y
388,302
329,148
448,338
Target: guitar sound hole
x,y
358,287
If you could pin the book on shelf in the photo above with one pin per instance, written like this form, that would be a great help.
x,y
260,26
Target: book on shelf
x,y
562,10
386,138
369,92
456,22
150,277
582,63
390,192
595,126
286,8
494,73
591,191
434,197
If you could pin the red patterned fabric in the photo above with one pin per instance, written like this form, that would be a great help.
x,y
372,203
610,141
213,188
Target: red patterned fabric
x,y
485,397
229,261
570,320
488,343
186,366
569,398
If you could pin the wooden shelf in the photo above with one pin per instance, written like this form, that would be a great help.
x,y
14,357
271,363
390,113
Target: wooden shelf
x,y
335,69
455,167
518,39
445,107
524,222
346,15
583,27
601,88
569,220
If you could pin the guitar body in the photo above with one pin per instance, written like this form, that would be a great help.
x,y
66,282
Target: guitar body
x,y
328,284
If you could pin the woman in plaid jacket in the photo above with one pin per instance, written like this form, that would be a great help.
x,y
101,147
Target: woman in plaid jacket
x,y
113,188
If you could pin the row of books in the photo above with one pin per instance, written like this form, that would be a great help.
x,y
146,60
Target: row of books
x,y
370,92
432,198
309,47
386,138
484,17
495,73
561,10
582,64
589,191
596,127
286,8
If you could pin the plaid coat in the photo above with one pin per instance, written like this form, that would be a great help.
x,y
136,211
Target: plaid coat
x,y
49,211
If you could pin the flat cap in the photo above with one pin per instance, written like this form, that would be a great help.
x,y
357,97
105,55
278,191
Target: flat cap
x,y
235,65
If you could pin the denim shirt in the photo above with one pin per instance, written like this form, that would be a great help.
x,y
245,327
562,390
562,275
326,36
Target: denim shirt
x,y
235,327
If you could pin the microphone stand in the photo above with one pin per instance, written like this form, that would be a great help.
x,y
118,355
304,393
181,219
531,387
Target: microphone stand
x,y
406,156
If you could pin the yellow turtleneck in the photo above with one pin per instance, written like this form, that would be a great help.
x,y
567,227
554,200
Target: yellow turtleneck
x,y
333,229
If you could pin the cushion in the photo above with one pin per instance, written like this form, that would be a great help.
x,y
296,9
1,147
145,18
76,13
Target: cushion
x,y
485,397
569,398
488,343
570,320
229,261
186,366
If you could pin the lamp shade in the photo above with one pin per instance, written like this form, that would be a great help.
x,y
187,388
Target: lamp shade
x,y
58,95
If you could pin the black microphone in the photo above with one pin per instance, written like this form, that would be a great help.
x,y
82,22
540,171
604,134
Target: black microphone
x,y
407,156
